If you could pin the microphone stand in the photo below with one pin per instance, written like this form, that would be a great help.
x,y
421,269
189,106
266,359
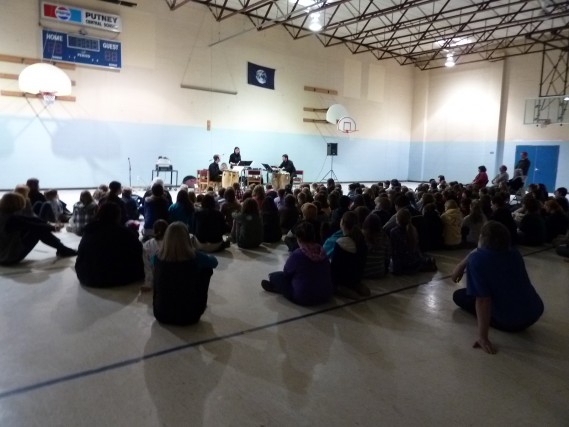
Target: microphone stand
x,y
129,174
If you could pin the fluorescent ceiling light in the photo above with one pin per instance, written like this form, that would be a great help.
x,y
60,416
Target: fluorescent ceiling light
x,y
450,61
315,25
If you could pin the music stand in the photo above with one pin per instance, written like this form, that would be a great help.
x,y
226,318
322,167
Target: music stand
x,y
268,169
240,167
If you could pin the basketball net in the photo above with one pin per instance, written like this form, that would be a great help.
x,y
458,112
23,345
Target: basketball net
x,y
48,98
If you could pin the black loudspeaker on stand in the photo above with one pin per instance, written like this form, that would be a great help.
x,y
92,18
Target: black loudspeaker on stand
x,y
332,151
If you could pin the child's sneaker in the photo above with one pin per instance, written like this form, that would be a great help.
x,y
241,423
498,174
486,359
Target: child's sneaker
x,y
267,286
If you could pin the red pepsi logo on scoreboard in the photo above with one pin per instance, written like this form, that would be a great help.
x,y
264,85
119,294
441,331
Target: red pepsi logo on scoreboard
x,y
62,13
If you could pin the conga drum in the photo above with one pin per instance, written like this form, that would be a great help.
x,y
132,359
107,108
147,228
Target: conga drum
x,y
275,180
284,179
229,177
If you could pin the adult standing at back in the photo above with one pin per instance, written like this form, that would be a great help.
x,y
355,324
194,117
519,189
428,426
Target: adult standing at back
x,y
523,164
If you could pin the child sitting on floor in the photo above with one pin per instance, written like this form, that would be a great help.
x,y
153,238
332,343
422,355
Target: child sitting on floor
x,y
149,250
306,278
498,290
348,259
406,257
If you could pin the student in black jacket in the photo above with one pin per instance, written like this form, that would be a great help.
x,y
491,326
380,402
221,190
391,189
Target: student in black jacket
x,y
109,253
19,233
181,278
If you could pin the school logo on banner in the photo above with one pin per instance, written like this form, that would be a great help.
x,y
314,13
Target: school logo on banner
x,y
261,76
62,13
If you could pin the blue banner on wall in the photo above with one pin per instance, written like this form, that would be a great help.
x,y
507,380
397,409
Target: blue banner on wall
x,y
261,76
58,46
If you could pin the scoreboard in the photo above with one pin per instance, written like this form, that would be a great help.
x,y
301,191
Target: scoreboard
x,y
58,46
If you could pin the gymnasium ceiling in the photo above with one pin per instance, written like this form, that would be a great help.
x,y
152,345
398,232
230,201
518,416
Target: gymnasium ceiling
x,y
413,32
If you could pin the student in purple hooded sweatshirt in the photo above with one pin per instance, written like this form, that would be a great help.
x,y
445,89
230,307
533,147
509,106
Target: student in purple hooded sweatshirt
x,y
306,277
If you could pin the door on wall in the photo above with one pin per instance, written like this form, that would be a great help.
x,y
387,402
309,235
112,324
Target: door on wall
x,y
543,167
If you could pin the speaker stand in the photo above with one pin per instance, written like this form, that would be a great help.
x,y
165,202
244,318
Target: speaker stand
x,y
330,173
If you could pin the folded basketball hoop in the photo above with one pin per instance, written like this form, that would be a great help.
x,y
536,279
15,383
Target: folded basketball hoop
x,y
543,122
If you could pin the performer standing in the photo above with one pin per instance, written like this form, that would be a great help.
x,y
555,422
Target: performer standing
x,y
235,157
288,166
214,171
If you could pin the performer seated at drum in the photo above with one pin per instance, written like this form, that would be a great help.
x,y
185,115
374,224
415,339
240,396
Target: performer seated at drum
x,y
288,166
214,171
235,157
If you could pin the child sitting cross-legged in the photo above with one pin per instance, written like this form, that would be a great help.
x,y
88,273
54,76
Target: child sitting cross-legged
x,y
306,277
181,278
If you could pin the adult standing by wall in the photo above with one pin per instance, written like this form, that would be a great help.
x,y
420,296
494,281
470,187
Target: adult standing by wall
x,y
524,164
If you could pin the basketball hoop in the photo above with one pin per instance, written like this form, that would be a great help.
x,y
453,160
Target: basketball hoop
x,y
346,125
543,122
44,80
48,98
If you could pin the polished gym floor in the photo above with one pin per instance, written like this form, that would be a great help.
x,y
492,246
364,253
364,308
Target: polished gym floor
x,y
74,356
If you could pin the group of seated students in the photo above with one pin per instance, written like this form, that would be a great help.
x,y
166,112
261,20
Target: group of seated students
x,y
335,240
